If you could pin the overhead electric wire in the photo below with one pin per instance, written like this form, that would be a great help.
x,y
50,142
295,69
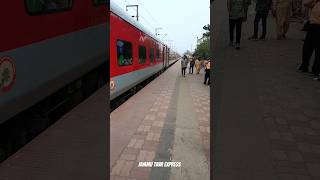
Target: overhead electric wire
x,y
147,22
148,11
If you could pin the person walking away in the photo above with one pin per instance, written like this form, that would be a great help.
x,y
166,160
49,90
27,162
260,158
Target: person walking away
x,y
198,66
282,10
191,65
262,10
237,14
207,74
184,64
312,40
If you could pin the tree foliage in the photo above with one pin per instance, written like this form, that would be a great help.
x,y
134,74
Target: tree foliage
x,y
189,53
203,47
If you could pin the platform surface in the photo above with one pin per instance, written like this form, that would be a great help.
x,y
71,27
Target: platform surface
x,y
168,120
75,147
266,115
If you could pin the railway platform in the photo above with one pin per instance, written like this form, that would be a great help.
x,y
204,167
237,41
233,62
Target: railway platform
x,y
72,148
266,116
166,121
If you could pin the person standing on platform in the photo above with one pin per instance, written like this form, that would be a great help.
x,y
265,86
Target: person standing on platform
x,y
262,10
282,10
207,74
184,64
312,40
237,14
191,65
204,62
198,66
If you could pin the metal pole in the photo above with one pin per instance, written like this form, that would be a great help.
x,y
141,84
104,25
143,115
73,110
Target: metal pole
x,y
156,29
137,6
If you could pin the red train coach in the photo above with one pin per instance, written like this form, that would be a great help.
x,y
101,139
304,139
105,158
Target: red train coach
x,y
49,47
135,54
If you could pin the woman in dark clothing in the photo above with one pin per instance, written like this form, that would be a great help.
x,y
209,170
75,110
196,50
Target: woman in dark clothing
x,y
207,74
191,65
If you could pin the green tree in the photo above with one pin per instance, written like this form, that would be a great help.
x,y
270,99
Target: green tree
x,y
202,50
207,29
188,53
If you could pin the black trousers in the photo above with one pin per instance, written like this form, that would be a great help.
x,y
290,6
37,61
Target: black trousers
x,y
311,44
191,69
207,77
183,71
235,24
263,17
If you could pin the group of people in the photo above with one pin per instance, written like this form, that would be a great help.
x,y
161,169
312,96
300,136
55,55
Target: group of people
x,y
281,11
238,11
194,62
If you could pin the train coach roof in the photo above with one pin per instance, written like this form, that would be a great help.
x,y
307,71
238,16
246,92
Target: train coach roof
x,y
118,11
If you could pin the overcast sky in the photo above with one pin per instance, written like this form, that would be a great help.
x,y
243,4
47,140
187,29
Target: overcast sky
x,y
182,20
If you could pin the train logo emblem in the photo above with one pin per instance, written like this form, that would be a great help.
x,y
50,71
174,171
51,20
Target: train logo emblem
x,y
7,74
112,84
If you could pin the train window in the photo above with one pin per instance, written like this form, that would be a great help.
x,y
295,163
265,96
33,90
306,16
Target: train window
x,y
99,2
37,7
142,54
158,55
124,51
151,56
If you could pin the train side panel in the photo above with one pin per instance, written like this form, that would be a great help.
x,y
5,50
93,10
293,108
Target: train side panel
x,y
48,51
126,77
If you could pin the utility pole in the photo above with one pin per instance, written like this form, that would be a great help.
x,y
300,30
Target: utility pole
x,y
137,6
157,30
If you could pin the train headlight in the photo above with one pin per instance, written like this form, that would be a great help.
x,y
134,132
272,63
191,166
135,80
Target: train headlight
x,y
112,85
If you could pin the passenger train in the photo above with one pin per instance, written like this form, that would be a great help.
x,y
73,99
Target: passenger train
x,y
53,53
135,53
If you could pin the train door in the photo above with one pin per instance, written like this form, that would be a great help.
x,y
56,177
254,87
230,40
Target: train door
x,y
167,54
163,55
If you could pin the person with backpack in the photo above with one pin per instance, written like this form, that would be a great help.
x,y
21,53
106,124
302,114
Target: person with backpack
x,y
184,64
237,14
